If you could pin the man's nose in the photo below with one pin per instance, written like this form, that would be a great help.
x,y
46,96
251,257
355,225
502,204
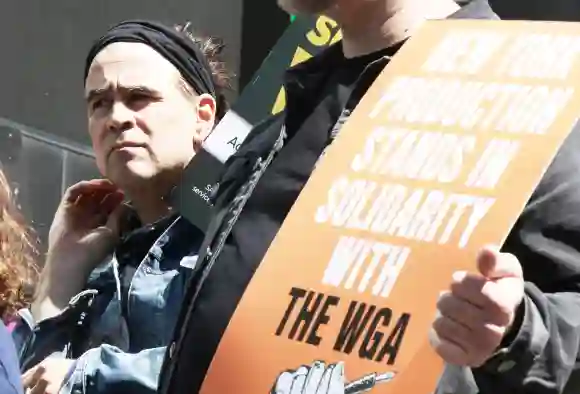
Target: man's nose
x,y
121,118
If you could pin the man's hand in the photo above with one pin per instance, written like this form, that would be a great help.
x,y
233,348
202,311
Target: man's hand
x,y
316,379
86,223
84,231
47,377
478,310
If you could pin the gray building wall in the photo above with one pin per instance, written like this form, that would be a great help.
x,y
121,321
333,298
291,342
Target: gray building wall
x,y
44,43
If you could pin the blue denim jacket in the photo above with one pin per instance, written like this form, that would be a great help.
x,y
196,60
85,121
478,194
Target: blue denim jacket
x,y
124,345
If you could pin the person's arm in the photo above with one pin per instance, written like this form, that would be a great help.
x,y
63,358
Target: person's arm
x,y
99,370
53,293
541,357
107,369
36,341
83,232
9,372
9,383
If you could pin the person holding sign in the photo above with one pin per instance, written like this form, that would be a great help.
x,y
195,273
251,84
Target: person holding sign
x,y
119,254
511,325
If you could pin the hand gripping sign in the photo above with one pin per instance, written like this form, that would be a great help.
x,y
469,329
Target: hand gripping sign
x,y
438,160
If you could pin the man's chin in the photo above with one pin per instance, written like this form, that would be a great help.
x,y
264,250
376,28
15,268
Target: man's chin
x,y
126,177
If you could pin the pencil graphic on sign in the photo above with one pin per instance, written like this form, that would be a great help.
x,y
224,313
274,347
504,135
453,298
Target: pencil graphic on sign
x,y
368,382
322,378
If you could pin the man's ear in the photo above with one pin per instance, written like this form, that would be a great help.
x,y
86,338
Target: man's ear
x,y
206,115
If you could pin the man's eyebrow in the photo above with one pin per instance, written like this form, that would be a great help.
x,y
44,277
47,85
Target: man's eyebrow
x,y
139,89
94,93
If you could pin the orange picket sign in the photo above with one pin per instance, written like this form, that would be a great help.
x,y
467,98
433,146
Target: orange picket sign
x,y
437,160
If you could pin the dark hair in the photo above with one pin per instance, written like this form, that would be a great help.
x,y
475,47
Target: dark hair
x,y
18,270
212,49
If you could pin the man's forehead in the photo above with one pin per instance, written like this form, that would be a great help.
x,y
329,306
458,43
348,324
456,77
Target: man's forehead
x,y
130,64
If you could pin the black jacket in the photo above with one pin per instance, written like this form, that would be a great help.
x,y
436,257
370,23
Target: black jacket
x,y
251,202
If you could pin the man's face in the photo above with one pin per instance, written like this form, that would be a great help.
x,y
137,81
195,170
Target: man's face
x,y
307,6
142,123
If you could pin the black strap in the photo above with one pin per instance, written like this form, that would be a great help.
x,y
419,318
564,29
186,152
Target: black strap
x,y
208,256
216,224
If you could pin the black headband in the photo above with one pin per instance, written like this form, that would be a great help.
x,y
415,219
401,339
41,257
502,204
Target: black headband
x,y
181,51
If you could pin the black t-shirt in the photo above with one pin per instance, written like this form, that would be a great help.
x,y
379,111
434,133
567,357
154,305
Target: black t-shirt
x,y
308,135
329,100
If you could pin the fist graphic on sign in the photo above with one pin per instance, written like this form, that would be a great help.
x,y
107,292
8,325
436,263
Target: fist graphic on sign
x,y
319,378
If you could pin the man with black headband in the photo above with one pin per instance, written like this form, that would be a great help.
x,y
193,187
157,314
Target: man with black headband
x,y
120,268
531,342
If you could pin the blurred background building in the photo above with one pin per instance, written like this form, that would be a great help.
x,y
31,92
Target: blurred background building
x,y
43,140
